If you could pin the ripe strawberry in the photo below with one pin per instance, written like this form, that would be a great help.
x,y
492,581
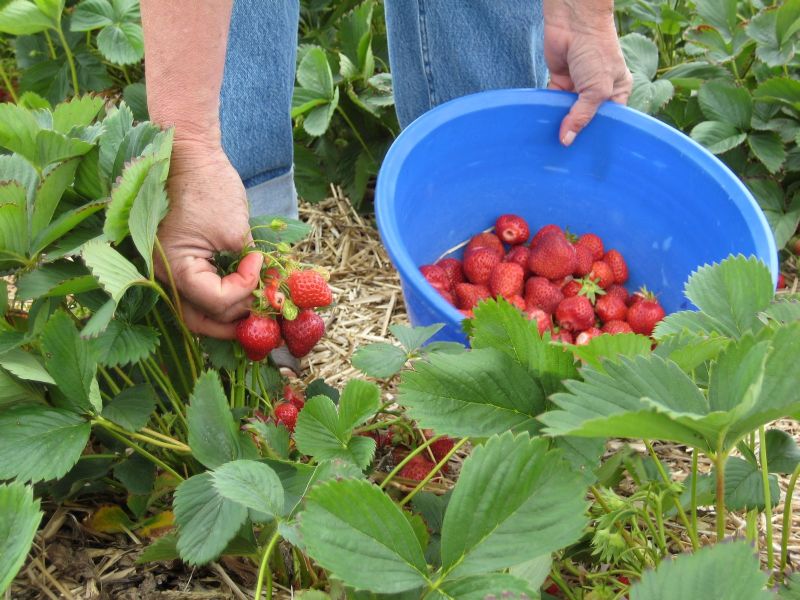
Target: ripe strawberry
x,y
542,293
636,296
468,295
447,296
781,281
485,240
584,260
543,320
575,314
618,266
584,337
506,279
437,277
258,335
562,335
417,468
619,291
303,333
308,289
294,397
611,308
452,267
520,255
593,243
602,274
286,413
645,314
553,257
382,437
571,288
512,229
441,447
613,327
546,230
479,263
275,297
518,301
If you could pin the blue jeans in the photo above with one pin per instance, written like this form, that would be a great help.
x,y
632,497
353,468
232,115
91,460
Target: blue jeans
x,y
438,50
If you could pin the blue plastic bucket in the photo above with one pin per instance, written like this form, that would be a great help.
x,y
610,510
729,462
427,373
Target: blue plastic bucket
x,y
662,200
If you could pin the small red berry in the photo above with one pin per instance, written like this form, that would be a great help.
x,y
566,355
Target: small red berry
x,y
417,468
452,267
547,229
437,277
543,321
602,273
258,335
506,279
575,314
618,266
479,264
614,327
611,308
286,413
584,260
485,240
781,281
303,333
644,315
512,229
308,289
467,295
519,255
584,337
540,292
553,257
593,243
294,396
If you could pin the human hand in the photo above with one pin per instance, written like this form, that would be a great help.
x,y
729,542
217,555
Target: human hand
x,y
583,54
208,213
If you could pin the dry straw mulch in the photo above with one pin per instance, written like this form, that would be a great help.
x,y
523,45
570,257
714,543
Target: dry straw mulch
x,y
71,562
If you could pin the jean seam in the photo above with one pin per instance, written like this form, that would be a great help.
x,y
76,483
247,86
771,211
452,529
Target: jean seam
x,y
425,52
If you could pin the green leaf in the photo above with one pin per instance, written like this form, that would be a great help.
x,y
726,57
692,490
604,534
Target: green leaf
x,y
132,407
641,54
782,219
791,588
611,347
412,338
149,208
728,571
736,375
501,326
206,520
650,96
781,90
513,500
114,272
116,125
76,112
18,128
324,434
721,100
123,344
71,362
92,14
318,119
732,293
380,360
717,136
137,474
25,366
136,97
213,434
53,147
55,279
275,436
720,14
22,17
14,391
40,443
475,394
768,148
49,194
122,43
783,453
18,169
13,238
100,320
744,486
355,37
763,28
269,230
51,8
64,224
783,311
314,73
318,387
352,529
252,484
495,585
19,519
123,195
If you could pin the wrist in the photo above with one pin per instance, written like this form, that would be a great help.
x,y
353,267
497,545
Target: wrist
x,y
579,14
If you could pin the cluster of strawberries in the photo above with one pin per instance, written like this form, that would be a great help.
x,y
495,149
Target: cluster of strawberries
x,y
284,312
572,286
287,410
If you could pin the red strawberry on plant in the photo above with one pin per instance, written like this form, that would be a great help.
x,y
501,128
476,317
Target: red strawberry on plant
x,y
645,314
417,468
479,263
575,314
275,297
543,320
485,240
437,277
512,229
303,333
540,292
506,279
553,257
468,295
294,397
584,260
611,308
584,337
602,274
286,413
308,289
258,335
781,282
546,230
593,243
453,270
614,327
440,448
520,255
618,266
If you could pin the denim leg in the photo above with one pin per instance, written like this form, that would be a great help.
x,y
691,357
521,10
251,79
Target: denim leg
x,y
256,98
443,49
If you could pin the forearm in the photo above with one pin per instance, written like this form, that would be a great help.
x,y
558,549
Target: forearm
x,y
578,12
185,43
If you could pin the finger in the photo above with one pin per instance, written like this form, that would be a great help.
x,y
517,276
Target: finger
x,y
561,82
623,88
202,324
214,295
580,114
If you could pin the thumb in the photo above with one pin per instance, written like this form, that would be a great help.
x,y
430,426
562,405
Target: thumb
x,y
579,116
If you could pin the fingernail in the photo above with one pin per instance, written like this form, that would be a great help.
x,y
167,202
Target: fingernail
x,y
568,138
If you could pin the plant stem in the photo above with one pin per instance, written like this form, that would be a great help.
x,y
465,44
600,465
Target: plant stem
x,y
355,132
377,425
418,450
787,518
559,581
109,380
675,498
125,74
50,45
263,569
433,471
719,465
70,60
762,457
172,352
138,449
7,81
166,386
693,528
124,376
